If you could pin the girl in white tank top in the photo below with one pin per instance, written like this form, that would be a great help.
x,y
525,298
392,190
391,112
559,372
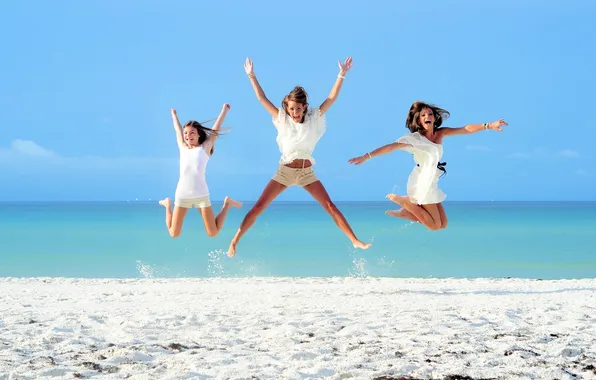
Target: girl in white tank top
x,y
196,144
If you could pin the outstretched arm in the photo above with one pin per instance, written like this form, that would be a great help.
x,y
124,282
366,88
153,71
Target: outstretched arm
x,y
248,67
473,128
343,70
377,152
177,129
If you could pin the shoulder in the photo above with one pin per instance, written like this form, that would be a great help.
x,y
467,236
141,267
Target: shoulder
x,y
446,131
411,135
412,138
281,117
281,114
313,114
209,142
443,130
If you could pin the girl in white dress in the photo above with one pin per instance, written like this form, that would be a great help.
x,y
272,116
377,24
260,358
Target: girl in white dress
x,y
299,128
423,202
196,145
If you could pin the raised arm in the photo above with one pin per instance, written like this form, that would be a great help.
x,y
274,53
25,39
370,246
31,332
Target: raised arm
x,y
343,70
248,67
473,128
212,137
222,115
177,129
377,152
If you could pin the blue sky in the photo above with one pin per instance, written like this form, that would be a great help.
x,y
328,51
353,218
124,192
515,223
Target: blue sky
x,y
86,89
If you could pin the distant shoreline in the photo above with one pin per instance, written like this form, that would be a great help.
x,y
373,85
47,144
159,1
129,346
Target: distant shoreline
x,y
29,202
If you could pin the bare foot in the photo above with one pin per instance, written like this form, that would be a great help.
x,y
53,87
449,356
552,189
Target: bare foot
x,y
396,213
403,214
361,245
399,199
232,249
166,202
229,202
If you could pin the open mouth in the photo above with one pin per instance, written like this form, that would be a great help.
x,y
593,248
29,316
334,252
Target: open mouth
x,y
428,122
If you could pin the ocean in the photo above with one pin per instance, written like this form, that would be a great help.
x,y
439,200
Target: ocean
x,y
539,240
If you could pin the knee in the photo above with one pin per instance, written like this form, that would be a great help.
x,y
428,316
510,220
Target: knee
x,y
330,207
439,224
432,224
256,210
174,234
211,233
434,227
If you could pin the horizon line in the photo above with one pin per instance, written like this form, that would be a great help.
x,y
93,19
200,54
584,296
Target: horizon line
x,y
297,201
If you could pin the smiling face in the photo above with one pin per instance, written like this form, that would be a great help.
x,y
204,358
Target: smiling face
x,y
191,135
296,111
426,119
296,104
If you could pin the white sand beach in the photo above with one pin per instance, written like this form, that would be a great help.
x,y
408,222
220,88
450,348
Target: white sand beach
x,y
290,328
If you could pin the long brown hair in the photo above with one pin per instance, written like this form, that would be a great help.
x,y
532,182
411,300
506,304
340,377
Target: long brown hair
x,y
414,116
298,95
203,132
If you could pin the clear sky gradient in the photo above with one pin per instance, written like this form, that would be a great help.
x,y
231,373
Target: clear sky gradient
x,y
86,88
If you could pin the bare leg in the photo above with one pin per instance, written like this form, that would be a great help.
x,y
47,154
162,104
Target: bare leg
x,y
402,213
272,190
421,213
213,224
433,210
174,220
317,190
443,215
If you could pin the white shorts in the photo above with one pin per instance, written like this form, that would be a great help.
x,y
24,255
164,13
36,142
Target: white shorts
x,y
200,202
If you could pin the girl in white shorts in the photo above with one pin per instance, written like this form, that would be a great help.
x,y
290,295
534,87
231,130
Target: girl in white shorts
x,y
196,144
299,128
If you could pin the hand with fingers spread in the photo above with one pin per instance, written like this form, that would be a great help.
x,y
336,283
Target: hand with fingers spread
x,y
496,125
346,66
248,67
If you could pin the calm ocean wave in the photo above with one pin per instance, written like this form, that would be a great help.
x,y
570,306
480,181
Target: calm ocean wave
x,y
129,239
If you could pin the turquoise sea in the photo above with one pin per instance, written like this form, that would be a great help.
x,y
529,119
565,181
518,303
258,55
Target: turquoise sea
x,y
547,240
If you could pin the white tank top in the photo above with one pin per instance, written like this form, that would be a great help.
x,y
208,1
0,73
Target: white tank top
x,y
192,182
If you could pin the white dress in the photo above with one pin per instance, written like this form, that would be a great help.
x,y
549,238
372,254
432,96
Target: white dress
x,y
423,182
